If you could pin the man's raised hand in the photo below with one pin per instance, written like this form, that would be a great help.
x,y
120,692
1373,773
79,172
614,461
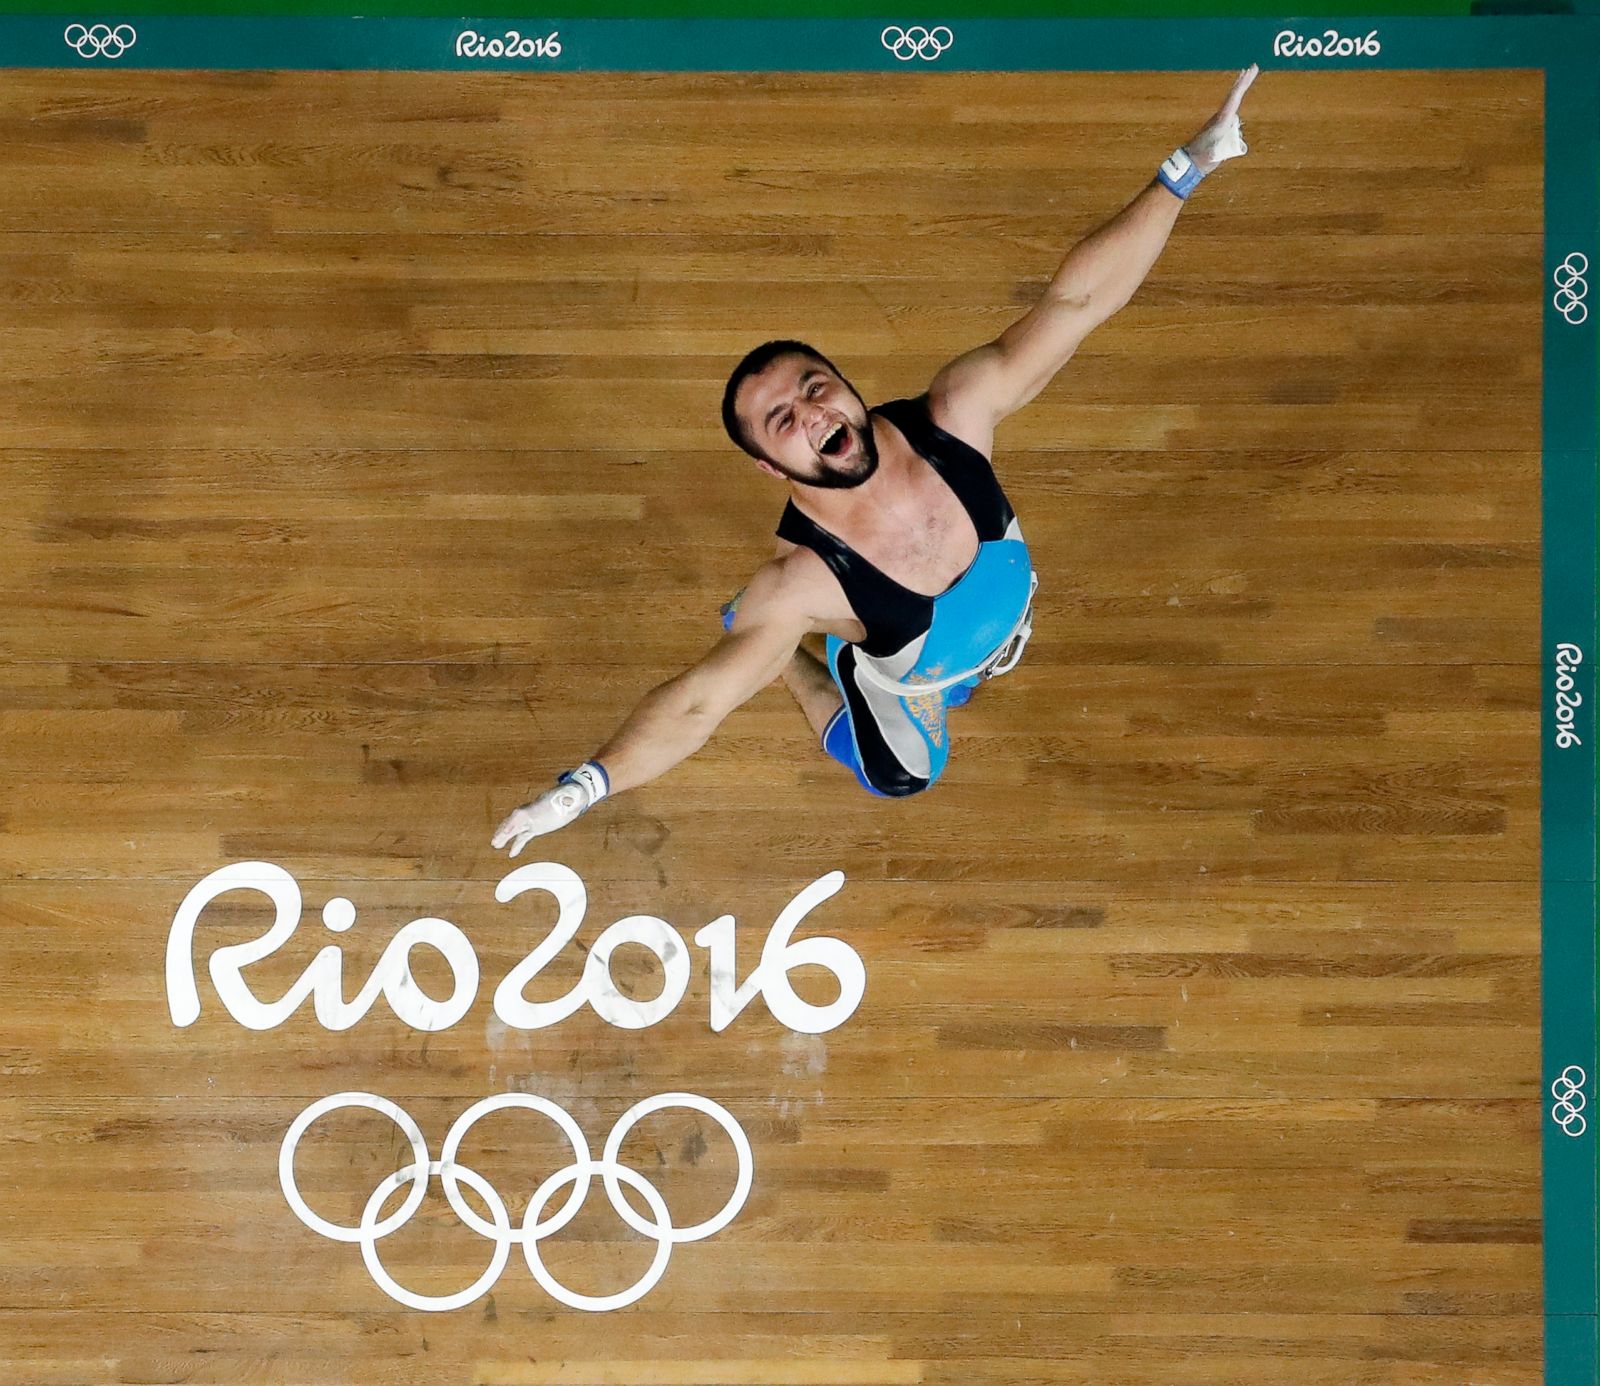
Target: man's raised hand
x,y
1220,137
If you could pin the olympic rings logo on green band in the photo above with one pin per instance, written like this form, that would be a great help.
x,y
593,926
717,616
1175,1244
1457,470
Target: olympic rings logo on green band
x,y
100,40
917,42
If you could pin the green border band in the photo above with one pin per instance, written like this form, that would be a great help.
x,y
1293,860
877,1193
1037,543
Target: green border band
x,y
1567,781
1563,46
768,45
816,9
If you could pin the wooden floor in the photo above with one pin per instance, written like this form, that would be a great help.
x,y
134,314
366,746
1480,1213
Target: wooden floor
x,y
362,466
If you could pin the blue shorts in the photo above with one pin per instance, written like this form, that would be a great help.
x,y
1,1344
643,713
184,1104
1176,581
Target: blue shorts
x,y
895,746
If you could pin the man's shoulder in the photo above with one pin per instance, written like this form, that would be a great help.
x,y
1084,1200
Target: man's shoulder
x,y
948,413
960,418
796,577
794,567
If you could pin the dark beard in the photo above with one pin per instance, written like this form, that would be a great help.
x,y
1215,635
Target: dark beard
x,y
836,481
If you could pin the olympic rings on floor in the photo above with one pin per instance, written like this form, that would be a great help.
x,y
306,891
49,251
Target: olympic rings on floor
x,y
499,1229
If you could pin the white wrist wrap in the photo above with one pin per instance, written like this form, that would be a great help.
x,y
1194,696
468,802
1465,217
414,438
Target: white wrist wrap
x,y
592,779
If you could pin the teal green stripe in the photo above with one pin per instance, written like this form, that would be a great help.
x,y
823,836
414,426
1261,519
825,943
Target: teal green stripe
x,y
733,9
1569,1351
1571,514
698,45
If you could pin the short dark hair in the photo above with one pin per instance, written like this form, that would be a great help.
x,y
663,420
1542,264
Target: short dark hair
x,y
755,362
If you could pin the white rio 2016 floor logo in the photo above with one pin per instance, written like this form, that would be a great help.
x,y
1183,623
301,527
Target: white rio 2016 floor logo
x,y
323,980
535,1227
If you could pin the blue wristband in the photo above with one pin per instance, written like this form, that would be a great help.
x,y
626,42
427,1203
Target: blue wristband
x,y
1179,175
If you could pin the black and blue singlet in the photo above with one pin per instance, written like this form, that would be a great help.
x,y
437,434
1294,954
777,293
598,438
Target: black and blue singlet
x,y
921,655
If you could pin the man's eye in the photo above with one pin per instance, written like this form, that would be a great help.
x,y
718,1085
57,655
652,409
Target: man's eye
x,y
816,387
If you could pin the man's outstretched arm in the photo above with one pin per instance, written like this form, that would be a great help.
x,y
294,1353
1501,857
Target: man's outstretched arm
x,y
1098,276
676,718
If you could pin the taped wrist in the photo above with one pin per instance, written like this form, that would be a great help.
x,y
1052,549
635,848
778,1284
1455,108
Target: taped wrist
x,y
592,779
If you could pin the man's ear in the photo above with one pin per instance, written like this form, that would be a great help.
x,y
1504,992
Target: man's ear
x,y
769,469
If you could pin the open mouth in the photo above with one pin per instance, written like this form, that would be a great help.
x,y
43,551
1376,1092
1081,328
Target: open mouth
x,y
836,441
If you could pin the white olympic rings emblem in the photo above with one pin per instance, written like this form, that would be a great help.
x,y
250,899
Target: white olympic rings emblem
x,y
100,40
1568,1093
500,1231
1573,288
917,42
